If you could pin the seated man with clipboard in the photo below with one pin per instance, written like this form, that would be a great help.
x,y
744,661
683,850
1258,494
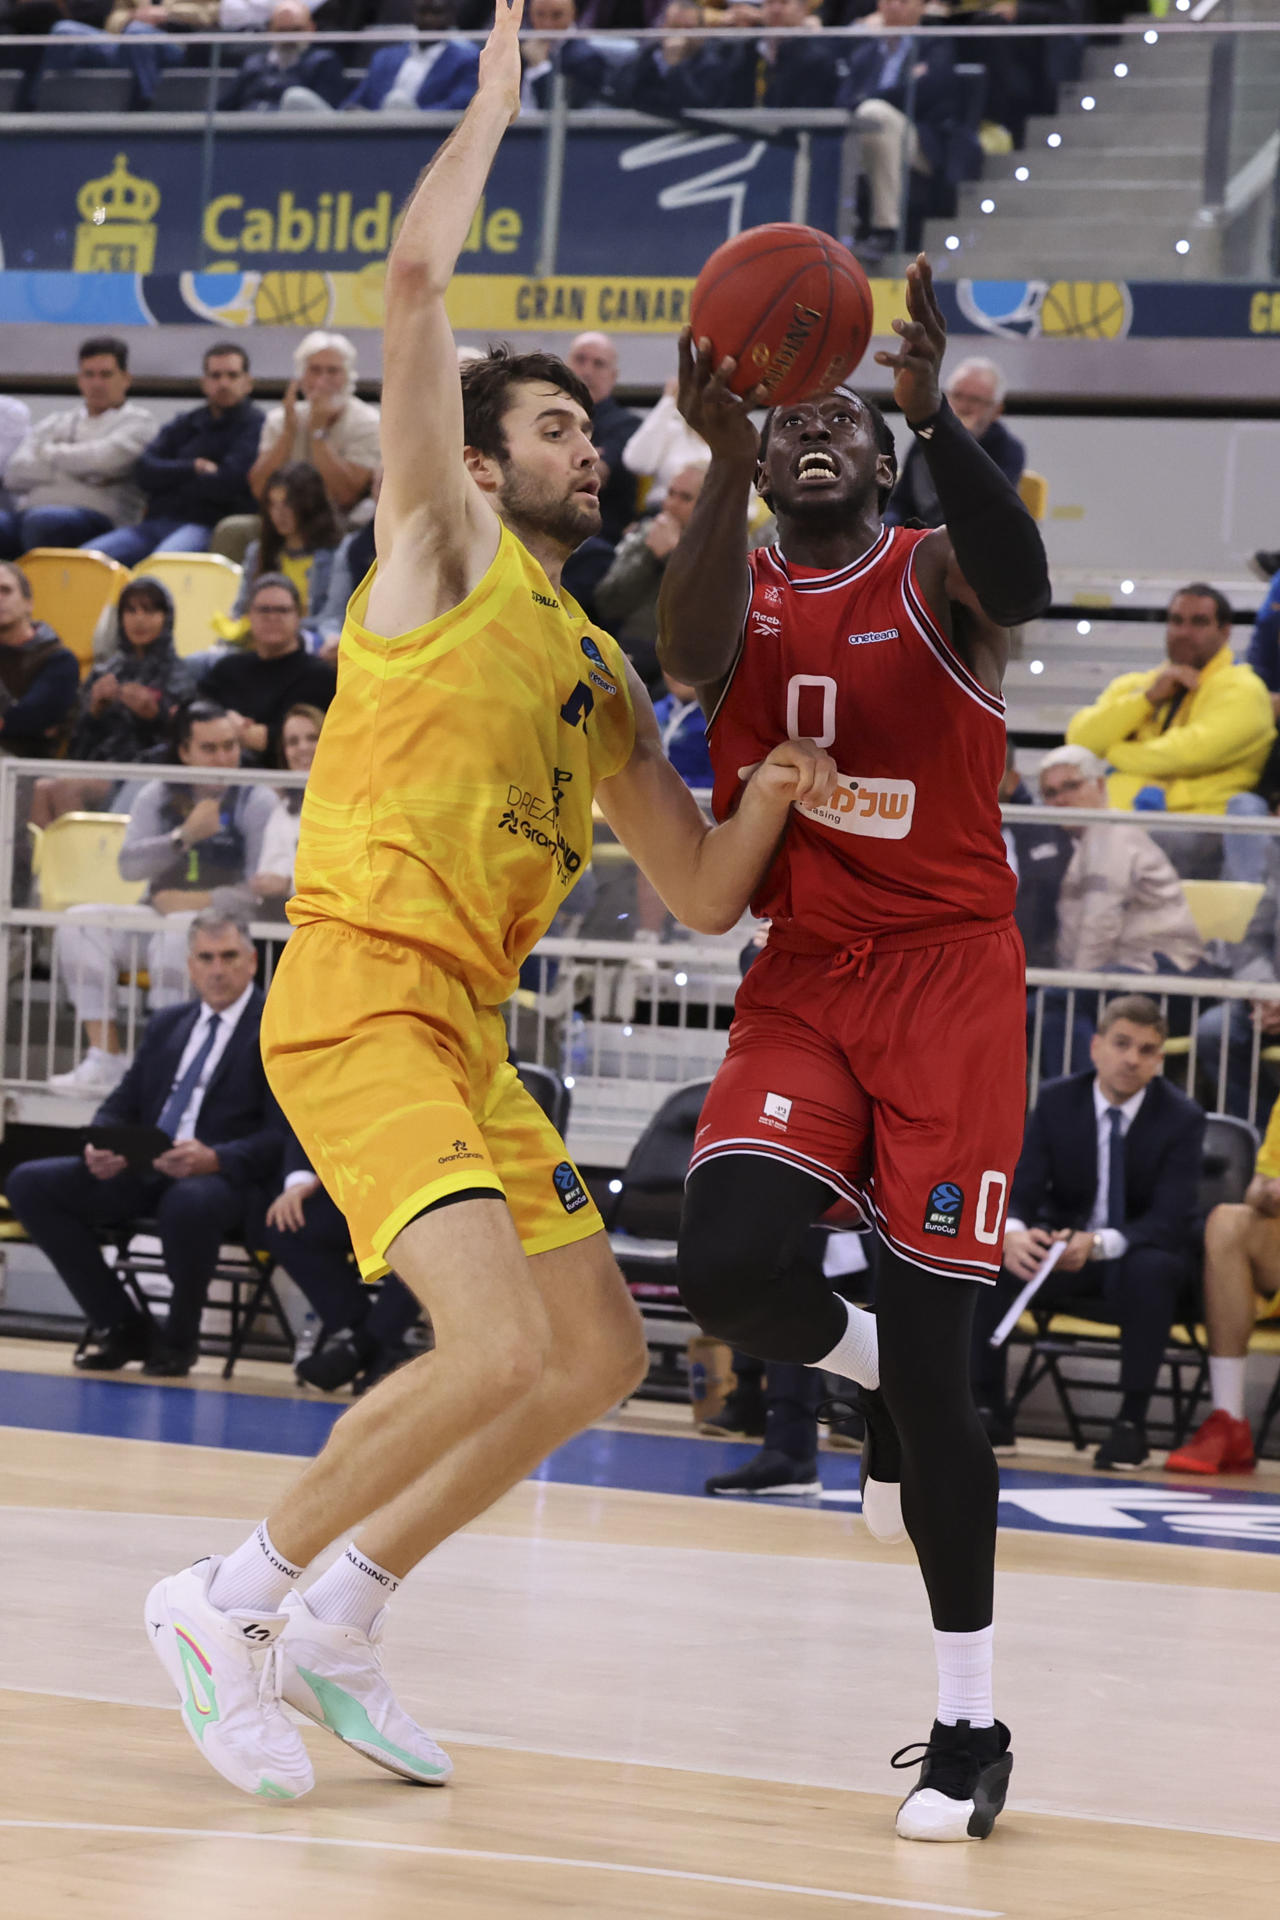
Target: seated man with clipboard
x,y
186,1138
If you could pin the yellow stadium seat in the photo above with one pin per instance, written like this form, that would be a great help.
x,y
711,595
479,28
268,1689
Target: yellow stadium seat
x,y
69,589
1222,909
202,585
76,862
1033,489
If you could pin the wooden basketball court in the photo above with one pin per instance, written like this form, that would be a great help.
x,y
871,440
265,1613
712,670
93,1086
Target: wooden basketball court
x,y
657,1704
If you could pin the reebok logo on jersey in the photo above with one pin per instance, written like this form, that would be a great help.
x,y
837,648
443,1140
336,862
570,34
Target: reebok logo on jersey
x,y
876,809
569,1188
869,639
777,1111
766,624
943,1209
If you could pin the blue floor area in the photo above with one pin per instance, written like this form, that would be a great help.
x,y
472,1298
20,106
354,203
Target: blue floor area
x,y
1108,1506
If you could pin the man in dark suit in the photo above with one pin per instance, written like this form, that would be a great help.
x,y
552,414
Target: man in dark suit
x,y
198,1076
783,73
1111,1165
902,91
361,1331
311,77
438,74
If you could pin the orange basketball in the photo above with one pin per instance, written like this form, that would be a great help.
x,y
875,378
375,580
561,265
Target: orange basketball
x,y
790,304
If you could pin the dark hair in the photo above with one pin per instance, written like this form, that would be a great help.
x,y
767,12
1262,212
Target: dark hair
x,y
293,796
105,343
1203,591
24,585
194,714
884,441
276,580
221,347
487,383
1138,1007
146,592
304,491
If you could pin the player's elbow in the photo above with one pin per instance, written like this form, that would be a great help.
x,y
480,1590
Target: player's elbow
x,y
415,277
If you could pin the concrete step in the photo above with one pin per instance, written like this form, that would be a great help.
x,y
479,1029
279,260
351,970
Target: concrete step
x,y
1171,58
1253,92
1163,166
1106,247
1141,201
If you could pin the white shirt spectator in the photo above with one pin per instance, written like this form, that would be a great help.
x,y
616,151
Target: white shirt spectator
x,y
15,425
354,436
79,459
403,97
280,842
662,445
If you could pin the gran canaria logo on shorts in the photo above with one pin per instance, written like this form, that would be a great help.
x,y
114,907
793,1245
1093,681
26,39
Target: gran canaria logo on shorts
x,y
876,809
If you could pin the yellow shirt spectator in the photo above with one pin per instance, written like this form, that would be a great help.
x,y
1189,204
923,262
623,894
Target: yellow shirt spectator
x,y
1199,727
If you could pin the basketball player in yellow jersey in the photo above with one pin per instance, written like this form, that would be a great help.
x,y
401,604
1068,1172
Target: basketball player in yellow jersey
x,y
448,814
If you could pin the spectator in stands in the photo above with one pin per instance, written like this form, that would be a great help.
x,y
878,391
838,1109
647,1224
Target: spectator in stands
x,y
361,1331
272,884
1188,737
1241,1270
299,536
1242,1024
678,72
131,35
627,597
976,391
258,684
128,704
15,425
39,677
189,844
582,63
683,726
781,73
890,75
437,74
196,468
74,470
1264,646
1111,1165
1038,855
594,358
662,445
198,1077
322,423
1121,907
289,73
351,562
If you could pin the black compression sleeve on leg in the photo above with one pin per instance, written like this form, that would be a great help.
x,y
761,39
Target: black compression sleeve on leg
x,y
950,1483
997,543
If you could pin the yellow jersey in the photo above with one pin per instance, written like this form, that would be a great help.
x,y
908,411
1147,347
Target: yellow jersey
x,y
449,804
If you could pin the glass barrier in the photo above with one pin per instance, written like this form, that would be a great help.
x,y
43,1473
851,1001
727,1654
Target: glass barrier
x,y
1059,164
620,1000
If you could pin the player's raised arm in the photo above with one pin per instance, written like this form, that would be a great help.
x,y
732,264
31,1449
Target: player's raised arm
x,y
705,588
425,486
706,875
989,535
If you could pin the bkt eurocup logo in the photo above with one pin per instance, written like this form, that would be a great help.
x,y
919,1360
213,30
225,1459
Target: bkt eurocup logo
x,y
943,1209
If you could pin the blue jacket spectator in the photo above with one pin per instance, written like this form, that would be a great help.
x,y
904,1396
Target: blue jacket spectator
x,y
264,79
1264,648
439,74
196,470
683,727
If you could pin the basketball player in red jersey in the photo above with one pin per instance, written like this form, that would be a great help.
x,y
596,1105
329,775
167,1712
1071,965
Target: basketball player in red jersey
x,y
877,1052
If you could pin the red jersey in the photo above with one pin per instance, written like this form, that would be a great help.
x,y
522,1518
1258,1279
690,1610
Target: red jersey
x,y
854,660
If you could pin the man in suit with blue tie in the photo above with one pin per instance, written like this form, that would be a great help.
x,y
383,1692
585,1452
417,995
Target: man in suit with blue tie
x,y
1111,1164
198,1077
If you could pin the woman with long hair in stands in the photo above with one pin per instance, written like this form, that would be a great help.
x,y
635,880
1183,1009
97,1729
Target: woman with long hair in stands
x,y
299,736
298,538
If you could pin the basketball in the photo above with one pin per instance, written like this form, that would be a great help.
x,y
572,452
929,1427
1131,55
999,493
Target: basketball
x,y
790,304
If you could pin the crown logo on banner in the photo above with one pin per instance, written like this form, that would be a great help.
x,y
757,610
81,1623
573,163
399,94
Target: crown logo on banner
x,y
118,232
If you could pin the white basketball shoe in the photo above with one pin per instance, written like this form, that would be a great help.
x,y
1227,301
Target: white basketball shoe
x,y
226,1668
333,1674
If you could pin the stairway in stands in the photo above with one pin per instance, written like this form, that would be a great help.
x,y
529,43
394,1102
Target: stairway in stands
x,y
1110,186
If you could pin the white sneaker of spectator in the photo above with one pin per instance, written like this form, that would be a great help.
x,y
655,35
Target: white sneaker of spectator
x,y
99,1072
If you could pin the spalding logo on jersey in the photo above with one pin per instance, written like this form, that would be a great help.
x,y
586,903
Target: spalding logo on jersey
x,y
879,809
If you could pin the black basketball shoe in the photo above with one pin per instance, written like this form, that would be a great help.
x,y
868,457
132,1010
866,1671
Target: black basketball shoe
x,y
742,1415
962,1784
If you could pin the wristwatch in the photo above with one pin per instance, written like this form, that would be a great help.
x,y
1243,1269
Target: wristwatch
x,y
176,840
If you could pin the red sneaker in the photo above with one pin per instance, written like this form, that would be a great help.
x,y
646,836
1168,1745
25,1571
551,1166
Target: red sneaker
x,y
1220,1445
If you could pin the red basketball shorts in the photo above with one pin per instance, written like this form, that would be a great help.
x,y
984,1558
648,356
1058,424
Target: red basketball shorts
x,y
896,1075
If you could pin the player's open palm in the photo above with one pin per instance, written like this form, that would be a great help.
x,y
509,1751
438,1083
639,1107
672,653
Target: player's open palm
x,y
922,341
797,771
500,55
711,409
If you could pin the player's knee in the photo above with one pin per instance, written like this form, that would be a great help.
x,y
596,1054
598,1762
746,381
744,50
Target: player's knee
x,y
1227,1226
723,1278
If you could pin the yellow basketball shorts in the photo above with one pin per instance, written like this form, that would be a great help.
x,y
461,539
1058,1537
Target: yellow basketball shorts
x,y
399,1089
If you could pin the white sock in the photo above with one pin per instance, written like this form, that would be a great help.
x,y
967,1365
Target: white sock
x,y
1226,1385
964,1677
856,1354
353,1592
253,1579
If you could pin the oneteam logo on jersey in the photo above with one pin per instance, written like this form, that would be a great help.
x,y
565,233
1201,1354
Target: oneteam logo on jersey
x,y
870,639
876,809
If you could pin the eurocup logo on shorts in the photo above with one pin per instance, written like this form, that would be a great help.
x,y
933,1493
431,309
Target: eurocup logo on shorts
x,y
943,1209
572,1194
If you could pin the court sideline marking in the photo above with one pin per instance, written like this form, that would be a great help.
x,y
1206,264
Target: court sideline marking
x,y
507,1859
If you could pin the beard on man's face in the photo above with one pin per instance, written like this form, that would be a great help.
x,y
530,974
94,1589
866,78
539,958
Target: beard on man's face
x,y
567,519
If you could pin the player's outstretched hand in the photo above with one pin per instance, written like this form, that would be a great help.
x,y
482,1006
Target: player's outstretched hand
x,y
500,54
797,772
704,398
923,335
